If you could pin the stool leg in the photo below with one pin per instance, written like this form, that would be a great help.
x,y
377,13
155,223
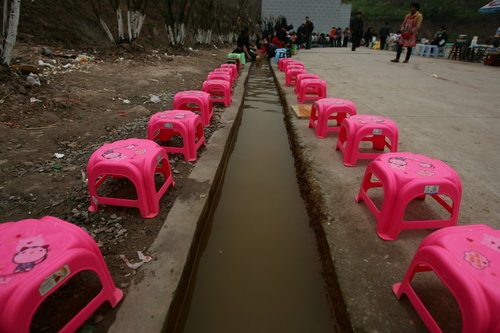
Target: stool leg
x,y
379,142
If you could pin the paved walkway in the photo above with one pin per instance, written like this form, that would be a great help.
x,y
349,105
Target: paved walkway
x,y
444,109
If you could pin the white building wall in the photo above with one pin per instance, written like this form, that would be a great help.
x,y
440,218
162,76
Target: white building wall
x,y
325,14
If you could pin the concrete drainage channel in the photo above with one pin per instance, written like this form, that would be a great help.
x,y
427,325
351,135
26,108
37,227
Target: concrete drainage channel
x,y
253,265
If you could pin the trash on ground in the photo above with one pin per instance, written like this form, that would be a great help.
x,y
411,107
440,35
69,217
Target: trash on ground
x,y
34,81
143,259
34,100
155,99
57,155
42,63
434,75
126,101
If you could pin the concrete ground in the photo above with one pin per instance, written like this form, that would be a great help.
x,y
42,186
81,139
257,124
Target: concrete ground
x,y
444,109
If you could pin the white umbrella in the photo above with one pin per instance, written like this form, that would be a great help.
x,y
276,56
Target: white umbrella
x,y
492,7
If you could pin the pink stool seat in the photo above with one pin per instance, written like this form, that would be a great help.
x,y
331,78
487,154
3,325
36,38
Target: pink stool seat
x,y
358,128
404,177
467,260
295,64
136,159
285,64
227,71
37,257
220,76
195,100
291,75
219,90
301,77
311,89
163,125
234,69
327,109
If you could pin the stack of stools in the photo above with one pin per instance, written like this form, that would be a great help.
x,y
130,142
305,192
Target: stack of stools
x,y
220,76
327,109
467,261
194,100
228,71
311,89
233,67
358,128
37,257
136,159
164,125
404,177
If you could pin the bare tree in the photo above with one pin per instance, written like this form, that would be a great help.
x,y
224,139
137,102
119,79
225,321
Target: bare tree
x,y
177,14
11,11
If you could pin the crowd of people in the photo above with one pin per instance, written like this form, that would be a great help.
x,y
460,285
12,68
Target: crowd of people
x,y
264,39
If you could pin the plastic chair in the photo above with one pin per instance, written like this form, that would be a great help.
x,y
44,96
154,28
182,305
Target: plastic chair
x,y
404,177
285,65
358,128
163,125
234,61
311,89
37,257
327,109
234,69
137,160
291,75
219,90
301,77
467,260
194,100
431,51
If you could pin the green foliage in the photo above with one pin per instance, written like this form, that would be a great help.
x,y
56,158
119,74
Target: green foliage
x,y
432,9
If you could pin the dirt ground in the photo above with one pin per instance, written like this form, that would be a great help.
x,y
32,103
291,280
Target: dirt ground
x,y
82,103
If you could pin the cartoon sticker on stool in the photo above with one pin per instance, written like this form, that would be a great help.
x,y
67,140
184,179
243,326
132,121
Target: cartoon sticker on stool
x,y
398,162
425,173
113,155
476,259
492,242
29,253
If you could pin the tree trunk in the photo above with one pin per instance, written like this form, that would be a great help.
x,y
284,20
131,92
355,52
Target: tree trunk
x,y
119,19
106,29
11,32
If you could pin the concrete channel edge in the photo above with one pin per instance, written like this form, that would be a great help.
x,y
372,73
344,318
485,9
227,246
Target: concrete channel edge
x,y
152,303
318,214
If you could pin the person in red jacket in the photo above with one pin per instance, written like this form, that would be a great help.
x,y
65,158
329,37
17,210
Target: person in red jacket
x,y
409,32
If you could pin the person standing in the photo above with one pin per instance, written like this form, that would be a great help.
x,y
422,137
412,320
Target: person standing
x,y
384,33
356,30
308,30
332,36
409,31
338,37
347,35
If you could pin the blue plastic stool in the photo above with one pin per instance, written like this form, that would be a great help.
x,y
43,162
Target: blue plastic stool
x,y
280,53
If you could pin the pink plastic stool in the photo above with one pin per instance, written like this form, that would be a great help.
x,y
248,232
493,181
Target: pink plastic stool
x,y
301,77
291,75
311,89
404,177
220,76
185,100
163,125
137,160
467,260
227,71
285,65
37,257
327,109
295,64
235,61
219,90
282,61
233,67
358,128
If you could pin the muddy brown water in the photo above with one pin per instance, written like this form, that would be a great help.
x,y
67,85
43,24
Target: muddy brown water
x,y
259,269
